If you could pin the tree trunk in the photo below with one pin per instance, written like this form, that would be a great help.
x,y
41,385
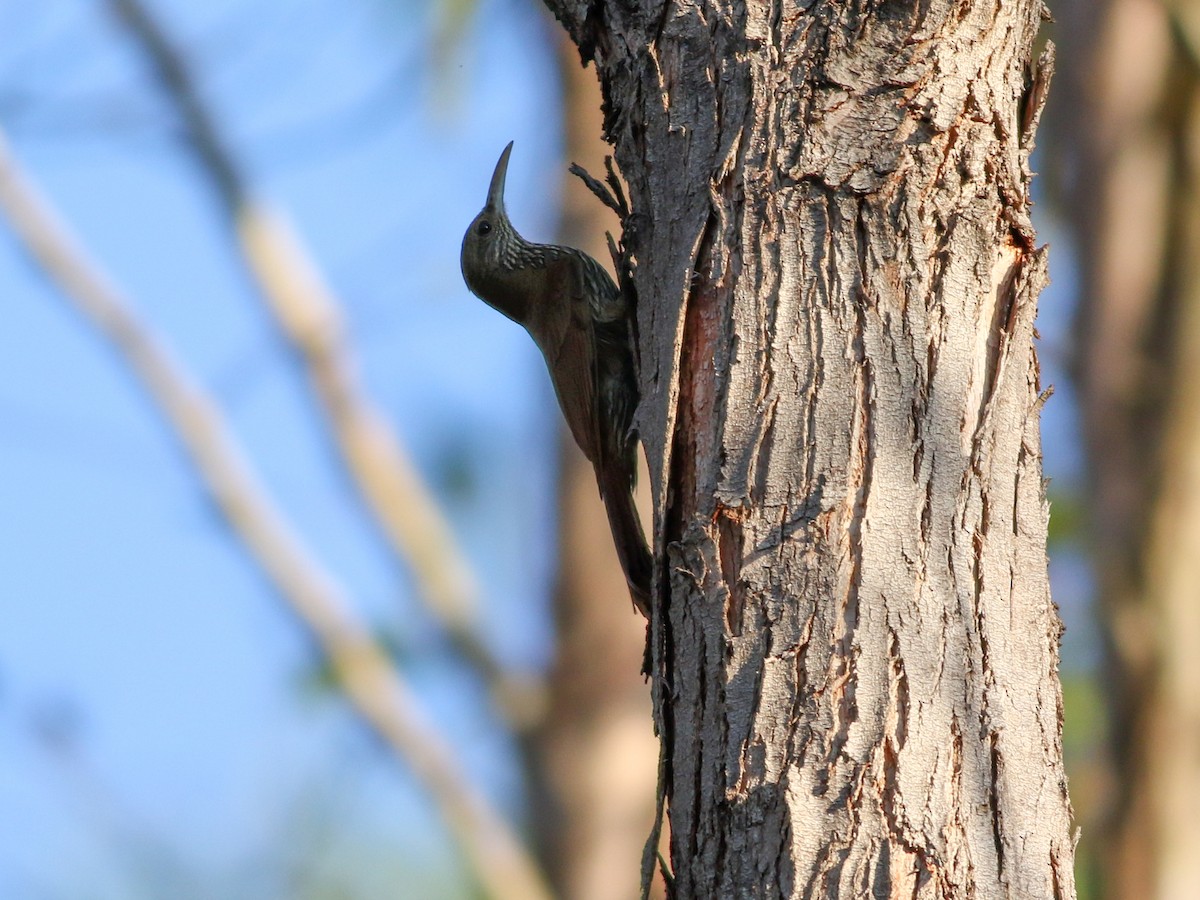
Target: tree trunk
x,y
855,650
595,749
1133,124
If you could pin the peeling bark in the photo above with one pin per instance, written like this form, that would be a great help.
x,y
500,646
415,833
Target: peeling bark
x,y
855,656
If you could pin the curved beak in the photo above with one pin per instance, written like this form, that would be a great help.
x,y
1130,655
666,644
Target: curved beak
x,y
495,198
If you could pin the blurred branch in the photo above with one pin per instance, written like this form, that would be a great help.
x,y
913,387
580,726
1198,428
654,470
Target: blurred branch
x,y
374,687
1185,28
310,316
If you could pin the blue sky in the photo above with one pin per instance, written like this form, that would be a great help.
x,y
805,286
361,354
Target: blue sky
x,y
135,634
133,624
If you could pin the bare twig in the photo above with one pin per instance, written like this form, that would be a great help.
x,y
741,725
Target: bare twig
x,y
310,316
603,192
373,686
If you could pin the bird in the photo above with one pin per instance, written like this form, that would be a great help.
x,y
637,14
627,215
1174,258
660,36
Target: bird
x,y
581,322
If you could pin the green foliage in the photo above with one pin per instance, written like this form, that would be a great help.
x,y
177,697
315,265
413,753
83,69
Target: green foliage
x,y
1067,519
1085,725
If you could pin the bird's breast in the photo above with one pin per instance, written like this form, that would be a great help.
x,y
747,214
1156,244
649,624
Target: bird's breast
x,y
503,294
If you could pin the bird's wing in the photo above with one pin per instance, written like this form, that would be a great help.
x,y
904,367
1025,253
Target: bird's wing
x,y
569,345
604,297
587,352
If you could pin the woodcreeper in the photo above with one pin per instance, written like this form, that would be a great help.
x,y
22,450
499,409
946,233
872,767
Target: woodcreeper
x,y
580,321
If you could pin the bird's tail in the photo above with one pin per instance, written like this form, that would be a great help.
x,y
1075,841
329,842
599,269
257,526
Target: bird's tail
x,y
616,489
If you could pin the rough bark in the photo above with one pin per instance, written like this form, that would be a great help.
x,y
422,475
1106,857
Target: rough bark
x,y
595,751
1133,121
855,653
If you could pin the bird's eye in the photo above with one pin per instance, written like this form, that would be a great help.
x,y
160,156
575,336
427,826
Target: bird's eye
x,y
483,227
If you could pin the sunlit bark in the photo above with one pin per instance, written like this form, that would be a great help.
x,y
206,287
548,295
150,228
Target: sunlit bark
x,y
855,650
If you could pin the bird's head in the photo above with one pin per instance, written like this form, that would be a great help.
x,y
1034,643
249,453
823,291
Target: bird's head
x,y
490,237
